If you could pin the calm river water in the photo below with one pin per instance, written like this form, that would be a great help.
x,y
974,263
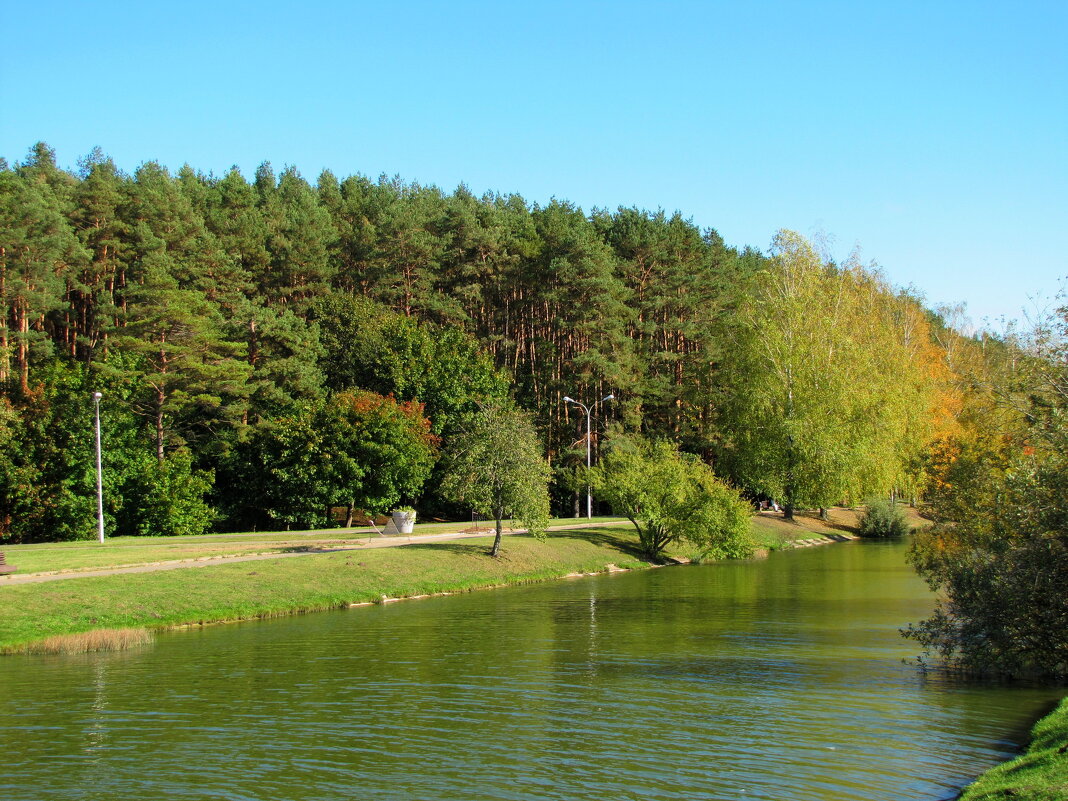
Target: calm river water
x,y
780,679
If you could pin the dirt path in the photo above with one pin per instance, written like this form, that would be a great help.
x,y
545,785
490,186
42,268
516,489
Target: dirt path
x,y
372,541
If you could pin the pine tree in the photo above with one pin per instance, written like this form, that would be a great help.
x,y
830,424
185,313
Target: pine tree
x,y
185,374
38,253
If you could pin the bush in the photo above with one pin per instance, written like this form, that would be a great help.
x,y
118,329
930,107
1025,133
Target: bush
x,y
1002,573
883,518
673,497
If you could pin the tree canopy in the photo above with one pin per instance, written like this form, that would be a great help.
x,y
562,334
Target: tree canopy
x,y
829,392
672,497
495,466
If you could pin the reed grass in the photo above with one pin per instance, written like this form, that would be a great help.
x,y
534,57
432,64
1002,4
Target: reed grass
x,y
86,642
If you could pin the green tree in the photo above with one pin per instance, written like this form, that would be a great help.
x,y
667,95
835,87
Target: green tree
x,y
300,238
678,280
825,398
373,348
284,353
47,456
186,374
672,497
495,466
164,499
358,450
234,216
409,247
97,217
389,444
37,252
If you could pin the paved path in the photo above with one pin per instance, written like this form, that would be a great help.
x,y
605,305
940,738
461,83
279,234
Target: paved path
x,y
372,541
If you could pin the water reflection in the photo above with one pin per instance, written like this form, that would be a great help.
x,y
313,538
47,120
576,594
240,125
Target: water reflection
x,y
96,728
773,680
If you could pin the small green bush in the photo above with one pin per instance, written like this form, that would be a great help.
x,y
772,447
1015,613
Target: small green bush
x,y
883,518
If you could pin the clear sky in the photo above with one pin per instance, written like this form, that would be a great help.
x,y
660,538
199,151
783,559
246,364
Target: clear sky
x,y
932,134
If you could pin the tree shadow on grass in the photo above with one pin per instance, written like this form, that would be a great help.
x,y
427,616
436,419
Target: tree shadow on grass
x,y
838,526
604,538
460,547
599,537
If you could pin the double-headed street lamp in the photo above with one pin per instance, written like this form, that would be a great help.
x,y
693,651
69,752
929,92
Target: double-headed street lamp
x,y
589,426
99,474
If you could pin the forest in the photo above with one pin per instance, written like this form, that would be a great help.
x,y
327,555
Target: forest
x,y
280,355
271,351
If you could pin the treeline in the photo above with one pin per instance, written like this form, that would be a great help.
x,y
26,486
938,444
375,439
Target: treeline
x,y
270,350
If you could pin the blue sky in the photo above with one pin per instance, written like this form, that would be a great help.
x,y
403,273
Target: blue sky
x,y
932,134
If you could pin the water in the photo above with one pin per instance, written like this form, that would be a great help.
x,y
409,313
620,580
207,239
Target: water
x,y
779,679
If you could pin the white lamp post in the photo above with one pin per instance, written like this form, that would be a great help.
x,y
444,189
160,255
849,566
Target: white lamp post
x,y
99,474
589,412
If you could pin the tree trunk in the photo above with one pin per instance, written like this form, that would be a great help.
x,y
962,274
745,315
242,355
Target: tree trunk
x,y
22,358
160,398
823,514
497,540
5,353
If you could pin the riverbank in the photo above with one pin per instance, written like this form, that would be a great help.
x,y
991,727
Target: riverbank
x,y
1039,774
231,592
339,570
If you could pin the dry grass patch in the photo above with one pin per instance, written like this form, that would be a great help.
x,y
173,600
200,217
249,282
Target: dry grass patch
x,y
86,642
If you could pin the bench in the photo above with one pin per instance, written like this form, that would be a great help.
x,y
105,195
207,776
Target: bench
x,y
4,566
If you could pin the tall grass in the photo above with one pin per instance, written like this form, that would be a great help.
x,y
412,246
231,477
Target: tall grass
x,y
86,642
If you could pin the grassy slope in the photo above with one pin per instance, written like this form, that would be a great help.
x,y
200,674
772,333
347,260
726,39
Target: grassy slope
x,y
769,531
1040,774
127,551
248,590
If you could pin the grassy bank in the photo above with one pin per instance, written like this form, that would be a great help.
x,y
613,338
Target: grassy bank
x,y
1040,774
328,578
130,551
30,613
769,531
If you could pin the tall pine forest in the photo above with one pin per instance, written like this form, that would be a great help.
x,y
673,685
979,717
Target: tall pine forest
x,y
278,354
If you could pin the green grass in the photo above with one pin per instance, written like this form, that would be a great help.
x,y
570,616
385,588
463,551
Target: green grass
x,y
769,532
126,551
1040,774
248,590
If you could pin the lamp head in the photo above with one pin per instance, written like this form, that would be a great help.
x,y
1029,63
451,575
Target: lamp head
x,y
610,397
569,400
97,396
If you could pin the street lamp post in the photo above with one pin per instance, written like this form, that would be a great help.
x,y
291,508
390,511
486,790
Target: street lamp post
x,y
99,474
589,426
